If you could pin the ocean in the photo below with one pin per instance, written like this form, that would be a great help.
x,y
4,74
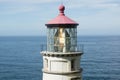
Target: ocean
x,y
20,57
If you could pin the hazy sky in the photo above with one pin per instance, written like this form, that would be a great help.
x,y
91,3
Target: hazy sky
x,y
27,17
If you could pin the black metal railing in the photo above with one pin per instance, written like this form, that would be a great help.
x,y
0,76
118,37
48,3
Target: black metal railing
x,y
78,48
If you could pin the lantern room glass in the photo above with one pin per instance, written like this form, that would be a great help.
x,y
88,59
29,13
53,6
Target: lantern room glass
x,y
61,39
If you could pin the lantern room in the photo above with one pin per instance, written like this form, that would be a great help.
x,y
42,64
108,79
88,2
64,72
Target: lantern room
x,y
61,33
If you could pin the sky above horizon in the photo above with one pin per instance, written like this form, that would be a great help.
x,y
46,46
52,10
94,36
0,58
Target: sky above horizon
x,y
28,17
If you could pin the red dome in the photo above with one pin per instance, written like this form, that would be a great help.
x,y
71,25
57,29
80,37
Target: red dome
x,y
61,18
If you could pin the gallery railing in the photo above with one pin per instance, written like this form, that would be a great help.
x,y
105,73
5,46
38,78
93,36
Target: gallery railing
x,y
54,48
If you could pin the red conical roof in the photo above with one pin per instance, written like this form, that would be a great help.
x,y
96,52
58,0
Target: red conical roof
x,y
61,18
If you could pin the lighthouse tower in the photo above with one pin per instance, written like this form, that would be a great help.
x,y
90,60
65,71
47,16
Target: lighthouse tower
x,y
61,60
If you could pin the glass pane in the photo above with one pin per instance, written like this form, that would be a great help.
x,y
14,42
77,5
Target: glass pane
x,y
61,39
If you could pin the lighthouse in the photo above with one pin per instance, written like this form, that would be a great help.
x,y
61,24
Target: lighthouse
x,y
61,59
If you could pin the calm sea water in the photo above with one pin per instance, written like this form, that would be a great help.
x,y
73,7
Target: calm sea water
x,y
20,58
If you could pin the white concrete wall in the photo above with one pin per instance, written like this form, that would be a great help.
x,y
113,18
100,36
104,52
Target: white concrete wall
x,y
60,77
61,64
54,77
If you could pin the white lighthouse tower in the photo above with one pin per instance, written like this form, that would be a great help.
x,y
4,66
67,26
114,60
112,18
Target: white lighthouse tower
x,y
61,60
